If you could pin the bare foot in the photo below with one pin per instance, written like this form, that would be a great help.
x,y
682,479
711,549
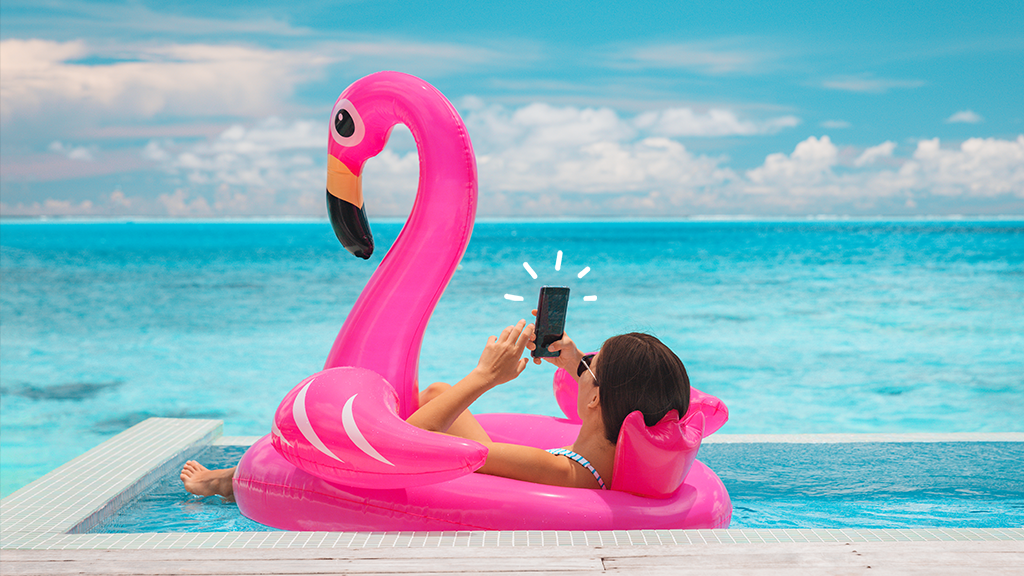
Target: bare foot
x,y
201,481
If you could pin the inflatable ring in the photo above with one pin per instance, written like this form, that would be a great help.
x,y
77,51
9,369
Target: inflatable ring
x,y
340,455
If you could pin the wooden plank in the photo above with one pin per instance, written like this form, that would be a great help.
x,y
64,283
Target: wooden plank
x,y
940,558
908,549
748,561
776,570
911,553
431,568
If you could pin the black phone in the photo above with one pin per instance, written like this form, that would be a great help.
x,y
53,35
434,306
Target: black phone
x,y
551,307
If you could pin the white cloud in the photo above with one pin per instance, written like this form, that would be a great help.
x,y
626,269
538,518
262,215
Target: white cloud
x,y
524,155
546,150
120,19
809,165
869,84
872,154
835,124
715,122
979,167
52,207
730,56
63,83
72,152
966,117
811,178
542,125
405,55
273,167
63,161
542,159
42,77
179,204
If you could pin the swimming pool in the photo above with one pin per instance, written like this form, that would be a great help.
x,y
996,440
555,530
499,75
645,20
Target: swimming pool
x,y
813,482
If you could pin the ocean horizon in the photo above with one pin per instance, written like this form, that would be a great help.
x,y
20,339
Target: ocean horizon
x,y
108,219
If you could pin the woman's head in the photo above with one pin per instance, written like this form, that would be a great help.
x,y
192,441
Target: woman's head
x,y
637,371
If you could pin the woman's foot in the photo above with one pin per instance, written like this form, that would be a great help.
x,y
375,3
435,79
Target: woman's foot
x,y
201,481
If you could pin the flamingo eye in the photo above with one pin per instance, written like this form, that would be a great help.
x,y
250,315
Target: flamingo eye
x,y
347,127
344,124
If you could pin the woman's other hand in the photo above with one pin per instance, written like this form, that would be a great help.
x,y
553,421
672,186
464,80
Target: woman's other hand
x,y
502,359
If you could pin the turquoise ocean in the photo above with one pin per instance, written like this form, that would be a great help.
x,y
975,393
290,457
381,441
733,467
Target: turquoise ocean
x,y
799,326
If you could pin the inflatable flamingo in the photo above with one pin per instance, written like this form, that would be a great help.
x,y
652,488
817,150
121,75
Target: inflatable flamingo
x,y
340,455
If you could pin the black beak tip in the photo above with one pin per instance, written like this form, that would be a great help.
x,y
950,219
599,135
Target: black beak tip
x,y
350,226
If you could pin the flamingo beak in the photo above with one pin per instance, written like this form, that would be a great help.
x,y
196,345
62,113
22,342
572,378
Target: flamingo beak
x,y
346,210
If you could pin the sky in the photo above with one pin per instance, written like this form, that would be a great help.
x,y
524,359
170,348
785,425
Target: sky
x,y
575,109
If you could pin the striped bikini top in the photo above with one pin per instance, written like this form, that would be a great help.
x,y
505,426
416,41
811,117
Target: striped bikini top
x,y
581,461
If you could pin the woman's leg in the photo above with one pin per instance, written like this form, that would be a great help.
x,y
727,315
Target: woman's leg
x,y
466,425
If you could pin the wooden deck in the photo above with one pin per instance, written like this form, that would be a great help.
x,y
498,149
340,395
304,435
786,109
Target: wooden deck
x,y
925,558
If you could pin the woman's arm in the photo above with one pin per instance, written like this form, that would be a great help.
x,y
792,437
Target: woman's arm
x,y
501,361
535,465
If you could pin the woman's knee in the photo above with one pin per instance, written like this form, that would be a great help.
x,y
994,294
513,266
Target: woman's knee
x,y
433,391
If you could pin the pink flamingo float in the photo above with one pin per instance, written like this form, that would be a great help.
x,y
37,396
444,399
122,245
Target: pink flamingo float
x,y
340,455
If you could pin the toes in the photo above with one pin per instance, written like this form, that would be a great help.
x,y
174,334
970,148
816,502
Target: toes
x,y
190,469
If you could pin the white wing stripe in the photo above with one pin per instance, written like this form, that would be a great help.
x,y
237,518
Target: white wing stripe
x,y
302,420
348,421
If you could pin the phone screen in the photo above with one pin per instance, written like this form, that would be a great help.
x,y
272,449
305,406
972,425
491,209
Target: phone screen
x,y
551,308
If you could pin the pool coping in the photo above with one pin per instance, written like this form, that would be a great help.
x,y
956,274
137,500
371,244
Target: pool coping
x,y
55,512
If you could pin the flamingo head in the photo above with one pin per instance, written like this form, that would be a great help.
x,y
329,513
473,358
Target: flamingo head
x,y
359,131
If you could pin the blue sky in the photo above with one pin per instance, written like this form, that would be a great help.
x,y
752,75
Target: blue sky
x,y
575,109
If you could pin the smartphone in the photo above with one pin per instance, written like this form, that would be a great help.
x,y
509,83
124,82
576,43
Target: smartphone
x,y
551,307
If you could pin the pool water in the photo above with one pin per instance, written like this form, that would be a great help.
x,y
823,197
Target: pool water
x,y
772,485
167,507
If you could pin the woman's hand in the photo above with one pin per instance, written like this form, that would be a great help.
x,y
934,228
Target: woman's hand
x,y
569,356
502,359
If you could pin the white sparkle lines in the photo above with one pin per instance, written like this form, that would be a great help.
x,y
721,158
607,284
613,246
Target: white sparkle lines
x,y
558,268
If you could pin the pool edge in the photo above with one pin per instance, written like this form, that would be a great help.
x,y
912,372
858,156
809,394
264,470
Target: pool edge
x,y
77,495
922,437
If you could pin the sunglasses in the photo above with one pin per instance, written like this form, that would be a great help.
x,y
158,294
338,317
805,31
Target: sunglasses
x,y
585,367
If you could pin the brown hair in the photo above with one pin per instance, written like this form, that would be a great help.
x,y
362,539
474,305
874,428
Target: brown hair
x,y
638,372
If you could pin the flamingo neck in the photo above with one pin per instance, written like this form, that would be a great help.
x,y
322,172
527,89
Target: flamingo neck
x,y
384,330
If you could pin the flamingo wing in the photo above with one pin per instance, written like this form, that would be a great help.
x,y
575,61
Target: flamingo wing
x,y
342,425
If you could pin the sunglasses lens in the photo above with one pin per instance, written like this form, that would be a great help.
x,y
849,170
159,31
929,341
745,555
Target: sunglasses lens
x,y
584,364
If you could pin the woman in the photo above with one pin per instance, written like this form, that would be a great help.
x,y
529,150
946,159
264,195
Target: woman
x,y
633,372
